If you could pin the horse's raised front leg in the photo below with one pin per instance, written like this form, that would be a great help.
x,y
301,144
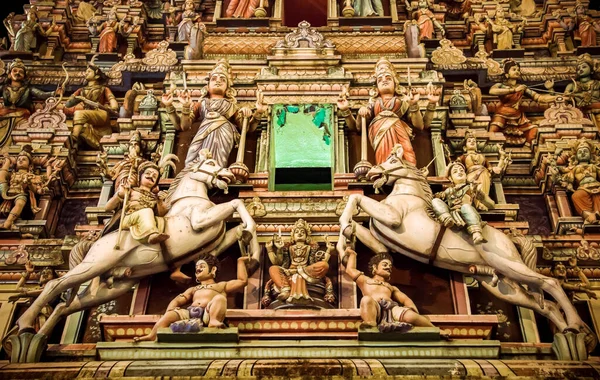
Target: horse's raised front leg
x,y
87,300
513,293
76,276
376,210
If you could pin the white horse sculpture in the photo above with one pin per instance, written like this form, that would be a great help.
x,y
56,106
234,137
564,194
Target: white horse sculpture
x,y
402,223
195,225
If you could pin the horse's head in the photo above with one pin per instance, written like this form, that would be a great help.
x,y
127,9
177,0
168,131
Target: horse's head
x,y
388,171
208,171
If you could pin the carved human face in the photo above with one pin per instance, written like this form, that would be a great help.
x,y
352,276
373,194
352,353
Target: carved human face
x,y
583,70
458,175
46,275
134,150
217,84
514,72
90,74
471,144
17,74
300,235
386,84
23,162
383,269
583,154
204,271
560,270
149,178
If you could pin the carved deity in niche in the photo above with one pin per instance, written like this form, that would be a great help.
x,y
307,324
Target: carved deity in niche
x,y
585,89
24,39
502,30
508,118
186,21
426,20
366,8
585,28
218,114
242,8
295,266
386,112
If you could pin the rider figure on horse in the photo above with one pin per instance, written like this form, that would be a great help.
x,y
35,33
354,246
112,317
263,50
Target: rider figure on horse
x,y
454,206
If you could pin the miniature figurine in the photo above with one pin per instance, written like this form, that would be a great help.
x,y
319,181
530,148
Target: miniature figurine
x,y
22,184
366,8
187,20
144,210
585,89
581,177
85,11
454,206
208,299
458,9
120,173
218,113
46,275
25,38
587,28
108,31
383,305
386,128
296,264
509,119
479,170
18,94
241,8
559,271
503,30
91,120
477,106
426,20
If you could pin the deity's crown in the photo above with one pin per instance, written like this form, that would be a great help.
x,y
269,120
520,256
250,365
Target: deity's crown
x,y
583,143
17,63
384,66
222,67
587,58
146,165
469,134
451,165
26,151
135,137
301,223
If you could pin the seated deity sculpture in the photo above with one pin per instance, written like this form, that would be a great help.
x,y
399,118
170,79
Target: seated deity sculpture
x,y
581,177
455,205
383,305
297,265
583,27
585,89
208,299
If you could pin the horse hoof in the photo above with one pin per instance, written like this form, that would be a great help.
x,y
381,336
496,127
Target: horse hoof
x,y
571,329
246,237
27,330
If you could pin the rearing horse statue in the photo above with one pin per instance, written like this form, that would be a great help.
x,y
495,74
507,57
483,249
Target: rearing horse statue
x,y
195,225
403,223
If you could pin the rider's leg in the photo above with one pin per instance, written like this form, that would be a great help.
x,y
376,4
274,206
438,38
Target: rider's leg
x,y
442,211
473,220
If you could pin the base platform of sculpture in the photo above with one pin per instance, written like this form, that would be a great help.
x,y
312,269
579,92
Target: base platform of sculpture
x,y
206,335
416,334
591,50
104,57
508,53
241,22
371,21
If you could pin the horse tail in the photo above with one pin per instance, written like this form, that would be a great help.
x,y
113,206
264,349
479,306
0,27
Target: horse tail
x,y
525,247
79,251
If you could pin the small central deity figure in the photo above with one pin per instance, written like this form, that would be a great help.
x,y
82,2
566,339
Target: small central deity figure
x,y
25,38
218,113
426,20
502,29
242,8
296,264
384,113
187,20
366,8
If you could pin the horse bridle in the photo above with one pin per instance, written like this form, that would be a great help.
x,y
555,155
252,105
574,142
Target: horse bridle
x,y
214,175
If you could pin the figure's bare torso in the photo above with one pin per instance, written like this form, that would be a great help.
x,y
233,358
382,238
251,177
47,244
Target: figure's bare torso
x,y
203,294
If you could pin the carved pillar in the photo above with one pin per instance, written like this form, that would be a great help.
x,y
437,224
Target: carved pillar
x,y
105,193
333,13
277,13
73,324
169,143
53,42
460,295
562,203
131,44
438,149
218,10
95,43
252,290
528,325
499,190
394,10
139,301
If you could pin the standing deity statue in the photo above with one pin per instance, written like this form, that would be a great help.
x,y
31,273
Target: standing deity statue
x,y
383,305
297,264
587,28
208,299
218,114
25,38
509,119
187,19
502,30
581,177
384,113
479,170
455,205
92,104
109,30
366,8
585,89
242,8
22,184
426,20
120,174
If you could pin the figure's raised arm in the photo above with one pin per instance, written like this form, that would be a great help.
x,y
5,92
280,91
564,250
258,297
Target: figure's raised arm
x,y
242,276
344,109
355,274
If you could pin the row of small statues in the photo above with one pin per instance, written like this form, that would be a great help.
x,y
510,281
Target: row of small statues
x,y
499,29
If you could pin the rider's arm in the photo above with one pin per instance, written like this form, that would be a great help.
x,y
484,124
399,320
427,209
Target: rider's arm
x,y
73,101
182,299
116,200
242,277
403,299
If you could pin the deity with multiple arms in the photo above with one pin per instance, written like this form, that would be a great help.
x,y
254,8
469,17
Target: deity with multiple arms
x,y
297,264
218,113
386,127
208,299
22,184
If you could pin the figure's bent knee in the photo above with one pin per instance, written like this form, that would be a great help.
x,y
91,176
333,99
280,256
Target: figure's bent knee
x,y
367,301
